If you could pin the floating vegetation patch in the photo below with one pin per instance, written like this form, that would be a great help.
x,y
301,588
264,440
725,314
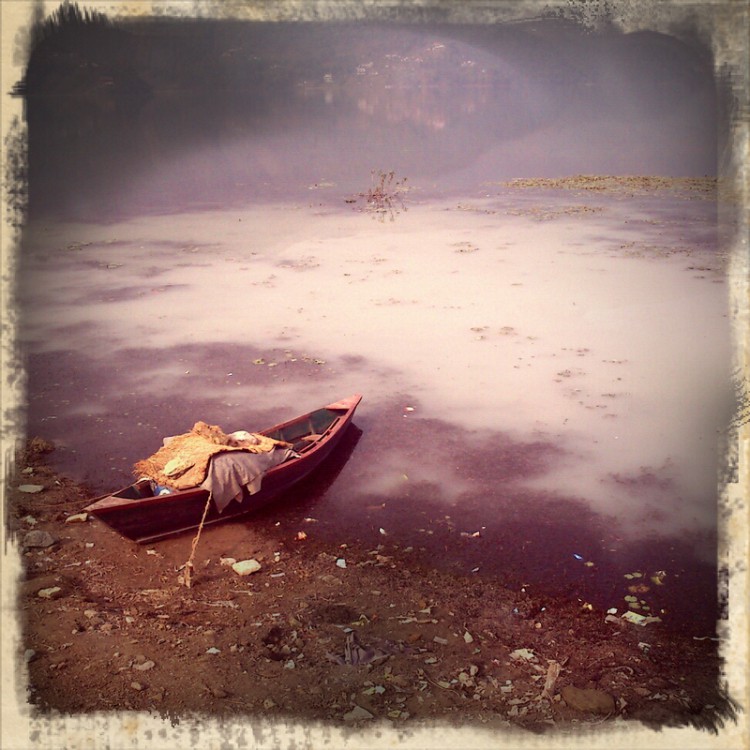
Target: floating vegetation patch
x,y
541,213
305,263
465,247
689,187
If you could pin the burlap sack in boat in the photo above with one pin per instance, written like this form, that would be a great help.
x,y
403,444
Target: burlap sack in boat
x,y
182,462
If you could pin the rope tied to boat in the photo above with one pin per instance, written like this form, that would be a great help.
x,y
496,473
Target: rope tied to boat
x,y
189,564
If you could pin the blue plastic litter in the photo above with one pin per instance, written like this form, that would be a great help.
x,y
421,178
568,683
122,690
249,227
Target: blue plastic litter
x,y
577,557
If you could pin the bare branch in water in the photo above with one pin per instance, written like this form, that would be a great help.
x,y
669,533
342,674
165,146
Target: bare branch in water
x,y
385,197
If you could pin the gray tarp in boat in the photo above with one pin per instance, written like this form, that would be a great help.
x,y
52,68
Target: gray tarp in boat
x,y
228,473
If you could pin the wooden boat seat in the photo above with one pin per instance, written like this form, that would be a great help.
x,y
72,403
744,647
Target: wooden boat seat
x,y
304,442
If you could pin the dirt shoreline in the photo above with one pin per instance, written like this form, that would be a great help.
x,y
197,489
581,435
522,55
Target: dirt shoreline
x,y
118,632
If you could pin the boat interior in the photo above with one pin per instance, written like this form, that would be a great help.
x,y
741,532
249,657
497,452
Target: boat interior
x,y
301,434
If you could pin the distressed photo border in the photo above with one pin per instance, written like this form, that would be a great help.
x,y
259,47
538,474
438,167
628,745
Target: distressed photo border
x,y
724,25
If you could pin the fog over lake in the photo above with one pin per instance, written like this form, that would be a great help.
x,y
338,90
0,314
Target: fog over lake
x,y
547,363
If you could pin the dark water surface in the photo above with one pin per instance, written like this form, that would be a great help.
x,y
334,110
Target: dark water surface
x,y
168,117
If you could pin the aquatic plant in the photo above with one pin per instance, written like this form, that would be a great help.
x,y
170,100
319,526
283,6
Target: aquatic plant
x,y
385,196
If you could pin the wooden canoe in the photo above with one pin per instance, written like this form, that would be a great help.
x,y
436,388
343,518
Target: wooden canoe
x,y
137,514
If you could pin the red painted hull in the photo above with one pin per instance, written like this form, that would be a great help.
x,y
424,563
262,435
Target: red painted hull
x,y
135,513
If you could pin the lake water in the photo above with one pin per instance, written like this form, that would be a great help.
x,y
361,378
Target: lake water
x,y
545,372
503,357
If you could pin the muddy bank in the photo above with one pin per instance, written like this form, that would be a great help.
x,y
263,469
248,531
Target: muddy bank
x,y
107,627
459,500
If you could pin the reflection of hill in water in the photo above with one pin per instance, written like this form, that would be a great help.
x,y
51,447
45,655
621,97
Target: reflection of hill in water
x,y
103,138
109,105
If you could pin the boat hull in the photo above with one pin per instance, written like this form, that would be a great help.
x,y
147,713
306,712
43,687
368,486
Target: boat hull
x,y
138,515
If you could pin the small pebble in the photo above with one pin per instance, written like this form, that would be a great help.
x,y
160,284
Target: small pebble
x,y
38,538
246,567
49,593
357,714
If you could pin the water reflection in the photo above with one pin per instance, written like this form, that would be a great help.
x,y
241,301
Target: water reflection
x,y
224,114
